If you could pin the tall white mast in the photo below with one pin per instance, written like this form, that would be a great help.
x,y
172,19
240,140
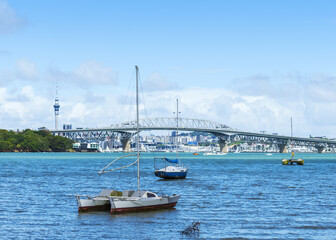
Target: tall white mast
x,y
291,127
137,112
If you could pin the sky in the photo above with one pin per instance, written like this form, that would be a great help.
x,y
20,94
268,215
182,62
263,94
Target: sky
x,y
251,65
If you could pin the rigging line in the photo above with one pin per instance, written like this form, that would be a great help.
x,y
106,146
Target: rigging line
x,y
143,97
144,103
125,98
121,167
103,170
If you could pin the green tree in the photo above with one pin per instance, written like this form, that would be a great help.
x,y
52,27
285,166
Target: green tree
x,y
59,144
6,146
33,141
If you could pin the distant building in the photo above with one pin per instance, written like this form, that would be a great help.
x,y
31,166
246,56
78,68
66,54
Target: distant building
x,y
67,126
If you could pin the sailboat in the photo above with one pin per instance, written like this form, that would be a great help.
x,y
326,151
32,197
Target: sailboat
x,y
177,170
128,200
292,160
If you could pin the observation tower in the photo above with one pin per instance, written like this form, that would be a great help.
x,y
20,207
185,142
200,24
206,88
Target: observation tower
x,y
56,109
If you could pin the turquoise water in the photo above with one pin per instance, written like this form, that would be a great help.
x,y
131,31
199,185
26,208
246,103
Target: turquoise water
x,y
246,195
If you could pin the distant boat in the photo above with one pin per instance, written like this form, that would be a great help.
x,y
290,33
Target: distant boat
x,y
299,161
125,201
171,171
175,170
292,160
214,153
269,154
196,153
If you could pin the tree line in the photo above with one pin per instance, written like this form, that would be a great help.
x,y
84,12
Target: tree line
x,y
33,141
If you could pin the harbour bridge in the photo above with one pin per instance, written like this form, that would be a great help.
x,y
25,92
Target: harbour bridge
x,y
224,133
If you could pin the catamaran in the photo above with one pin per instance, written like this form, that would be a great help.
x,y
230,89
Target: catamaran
x,y
177,170
128,200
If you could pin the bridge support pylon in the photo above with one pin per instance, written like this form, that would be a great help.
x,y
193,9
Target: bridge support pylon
x,y
223,146
283,148
320,149
125,142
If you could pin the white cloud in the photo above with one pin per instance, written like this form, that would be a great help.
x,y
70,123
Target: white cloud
x,y
6,77
156,82
86,75
312,107
26,69
3,94
244,112
84,115
9,19
32,111
78,112
93,72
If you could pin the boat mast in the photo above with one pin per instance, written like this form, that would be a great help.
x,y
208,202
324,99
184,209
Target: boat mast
x,y
292,137
291,127
177,112
137,117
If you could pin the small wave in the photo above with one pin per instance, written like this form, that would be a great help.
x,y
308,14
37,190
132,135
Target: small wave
x,y
315,227
20,211
234,238
254,198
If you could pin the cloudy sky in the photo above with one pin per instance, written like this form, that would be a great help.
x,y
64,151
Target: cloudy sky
x,y
249,64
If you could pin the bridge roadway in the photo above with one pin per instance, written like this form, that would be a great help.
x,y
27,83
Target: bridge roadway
x,y
224,133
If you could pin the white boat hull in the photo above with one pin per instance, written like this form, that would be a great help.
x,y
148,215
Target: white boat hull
x,y
172,172
119,205
129,201
96,203
214,153
93,204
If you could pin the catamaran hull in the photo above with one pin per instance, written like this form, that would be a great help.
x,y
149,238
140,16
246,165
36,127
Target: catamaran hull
x,y
171,175
96,208
120,206
145,208
93,204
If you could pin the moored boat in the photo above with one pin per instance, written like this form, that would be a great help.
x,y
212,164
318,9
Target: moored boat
x,y
292,160
128,200
214,153
176,170
142,200
172,172
96,203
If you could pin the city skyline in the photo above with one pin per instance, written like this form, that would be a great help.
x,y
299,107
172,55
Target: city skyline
x,y
249,65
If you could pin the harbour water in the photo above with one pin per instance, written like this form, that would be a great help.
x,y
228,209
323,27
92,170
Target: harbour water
x,y
235,196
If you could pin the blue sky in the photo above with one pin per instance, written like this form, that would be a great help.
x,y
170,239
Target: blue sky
x,y
249,64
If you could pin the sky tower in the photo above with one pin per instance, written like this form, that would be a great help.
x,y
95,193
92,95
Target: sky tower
x,y
56,108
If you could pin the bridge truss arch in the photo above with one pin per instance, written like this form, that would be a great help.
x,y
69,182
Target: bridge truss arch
x,y
223,132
